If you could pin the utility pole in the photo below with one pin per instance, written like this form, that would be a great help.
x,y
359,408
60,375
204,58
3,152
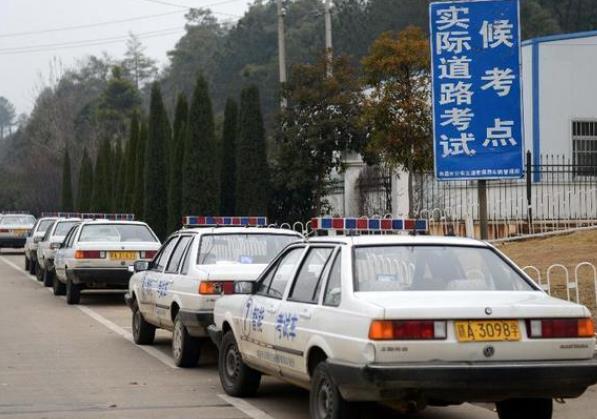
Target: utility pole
x,y
328,36
282,51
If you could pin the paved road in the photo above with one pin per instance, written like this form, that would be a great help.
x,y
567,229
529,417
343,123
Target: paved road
x,y
60,361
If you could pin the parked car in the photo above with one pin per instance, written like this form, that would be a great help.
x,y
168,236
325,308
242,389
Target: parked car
x,y
33,238
194,267
14,229
413,320
48,246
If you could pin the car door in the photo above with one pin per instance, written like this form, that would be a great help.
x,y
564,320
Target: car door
x,y
258,323
298,316
148,287
169,279
63,254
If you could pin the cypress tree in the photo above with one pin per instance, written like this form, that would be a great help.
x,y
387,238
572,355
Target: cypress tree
x,y
103,178
67,186
228,159
85,189
252,172
131,164
176,157
200,180
155,191
119,179
137,205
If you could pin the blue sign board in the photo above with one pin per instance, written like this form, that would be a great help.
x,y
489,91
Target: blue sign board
x,y
477,102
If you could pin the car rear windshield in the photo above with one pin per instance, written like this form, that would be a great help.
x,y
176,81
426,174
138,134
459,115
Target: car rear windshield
x,y
433,268
17,220
43,225
63,227
248,248
116,233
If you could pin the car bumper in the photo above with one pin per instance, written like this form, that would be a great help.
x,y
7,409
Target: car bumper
x,y
196,322
13,242
106,278
460,382
215,335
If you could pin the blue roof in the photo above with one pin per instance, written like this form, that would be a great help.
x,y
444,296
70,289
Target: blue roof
x,y
560,37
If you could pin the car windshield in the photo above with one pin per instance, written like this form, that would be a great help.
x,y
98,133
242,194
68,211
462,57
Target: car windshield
x,y
43,225
63,227
433,268
116,233
252,248
19,220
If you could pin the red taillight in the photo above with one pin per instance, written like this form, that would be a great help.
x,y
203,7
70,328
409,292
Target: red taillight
x,y
216,287
90,254
560,328
407,330
3,230
148,254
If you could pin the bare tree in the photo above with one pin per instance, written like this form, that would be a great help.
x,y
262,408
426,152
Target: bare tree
x,y
138,67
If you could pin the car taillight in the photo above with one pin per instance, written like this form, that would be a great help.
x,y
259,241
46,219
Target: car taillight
x,y
147,254
3,230
90,254
407,330
560,328
216,287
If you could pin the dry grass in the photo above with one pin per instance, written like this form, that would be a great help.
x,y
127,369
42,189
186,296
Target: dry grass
x,y
568,250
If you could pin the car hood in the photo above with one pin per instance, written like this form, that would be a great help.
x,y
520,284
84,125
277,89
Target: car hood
x,y
471,304
232,271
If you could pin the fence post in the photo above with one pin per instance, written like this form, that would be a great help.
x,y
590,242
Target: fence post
x,y
529,168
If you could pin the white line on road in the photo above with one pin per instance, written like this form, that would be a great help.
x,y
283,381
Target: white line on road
x,y
242,405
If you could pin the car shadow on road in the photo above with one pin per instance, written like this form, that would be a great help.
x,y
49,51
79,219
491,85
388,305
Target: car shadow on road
x,y
102,298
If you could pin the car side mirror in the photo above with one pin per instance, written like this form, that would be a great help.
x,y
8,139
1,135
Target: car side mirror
x,y
244,287
141,265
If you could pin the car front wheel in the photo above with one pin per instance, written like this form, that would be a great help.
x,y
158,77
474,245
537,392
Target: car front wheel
x,y
58,287
237,378
73,292
27,264
48,277
143,332
185,348
32,265
325,401
525,408
39,272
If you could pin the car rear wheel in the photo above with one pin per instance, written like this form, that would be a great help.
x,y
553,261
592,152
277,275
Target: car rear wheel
x,y
38,272
58,287
325,401
27,264
185,348
143,332
237,378
48,278
525,408
73,292
32,264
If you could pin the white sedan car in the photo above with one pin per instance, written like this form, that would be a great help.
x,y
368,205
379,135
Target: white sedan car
x,y
177,291
99,254
33,238
14,229
49,245
414,320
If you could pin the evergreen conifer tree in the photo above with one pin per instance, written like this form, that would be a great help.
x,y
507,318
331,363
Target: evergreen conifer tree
x,y
200,180
67,186
85,189
252,172
102,187
137,206
131,164
228,159
176,157
155,191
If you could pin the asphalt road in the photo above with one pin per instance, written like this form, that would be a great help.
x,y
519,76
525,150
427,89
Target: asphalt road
x,y
60,361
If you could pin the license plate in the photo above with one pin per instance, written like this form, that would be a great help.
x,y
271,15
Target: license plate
x,y
487,330
123,255
19,232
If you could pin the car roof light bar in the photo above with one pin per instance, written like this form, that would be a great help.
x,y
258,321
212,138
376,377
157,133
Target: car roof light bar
x,y
234,221
369,224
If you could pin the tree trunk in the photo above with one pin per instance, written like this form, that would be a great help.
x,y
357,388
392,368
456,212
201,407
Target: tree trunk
x,y
411,195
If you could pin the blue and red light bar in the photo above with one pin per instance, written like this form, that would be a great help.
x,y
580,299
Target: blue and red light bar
x,y
208,221
369,224
15,213
90,216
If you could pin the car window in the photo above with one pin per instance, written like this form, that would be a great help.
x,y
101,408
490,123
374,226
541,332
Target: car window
x,y
307,283
48,233
333,288
275,286
68,240
434,268
19,220
160,260
177,254
116,233
43,225
64,227
187,258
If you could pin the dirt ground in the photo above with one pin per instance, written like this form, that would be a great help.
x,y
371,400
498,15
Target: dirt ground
x,y
568,250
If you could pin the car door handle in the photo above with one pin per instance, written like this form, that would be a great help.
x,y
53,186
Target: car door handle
x,y
305,314
272,309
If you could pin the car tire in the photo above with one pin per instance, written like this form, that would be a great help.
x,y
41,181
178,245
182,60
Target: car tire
x,y
58,287
73,292
325,401
38,272
237,378
27,264
48,277
525,408
185,348
143,332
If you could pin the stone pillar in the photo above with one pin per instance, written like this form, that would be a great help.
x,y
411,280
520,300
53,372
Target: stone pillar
x,y
400,193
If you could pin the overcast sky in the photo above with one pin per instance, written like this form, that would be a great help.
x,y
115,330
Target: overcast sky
x,y
29,44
